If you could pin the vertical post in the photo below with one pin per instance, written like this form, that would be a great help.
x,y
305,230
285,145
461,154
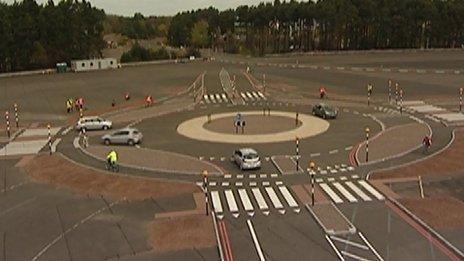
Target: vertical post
x,y
296,119
367,144
312,172
7,118
421,188
401,101
16,115
297,143
389,90
49,138
369,88
205,186
264,83
81,113
396,92
461,90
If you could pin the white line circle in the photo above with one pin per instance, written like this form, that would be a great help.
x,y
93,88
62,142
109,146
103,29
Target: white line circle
x,y
310,126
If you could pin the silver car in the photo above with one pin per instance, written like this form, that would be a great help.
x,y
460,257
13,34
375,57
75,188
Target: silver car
x,y
93,123
128,136
247,158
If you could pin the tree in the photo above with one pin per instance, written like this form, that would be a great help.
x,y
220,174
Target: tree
x,y
199,35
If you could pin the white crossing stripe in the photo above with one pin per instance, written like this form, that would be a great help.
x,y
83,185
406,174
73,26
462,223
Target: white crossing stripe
x,y
231,201
216,202
245,200
372,190
243,96
224,97
255,95
206,98
211,97
345,192
249,95
218,97
261,95
331,193
358,191
274,199
260,199
288,197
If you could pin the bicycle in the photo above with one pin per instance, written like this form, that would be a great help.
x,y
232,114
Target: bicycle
x,y
112,166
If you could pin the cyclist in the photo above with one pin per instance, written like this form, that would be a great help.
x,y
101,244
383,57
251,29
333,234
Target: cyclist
x,y
112,160
427,143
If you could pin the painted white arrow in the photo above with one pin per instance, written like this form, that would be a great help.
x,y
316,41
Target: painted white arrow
x,y
296,210
282,211
220,216
266,213
251,214
235,215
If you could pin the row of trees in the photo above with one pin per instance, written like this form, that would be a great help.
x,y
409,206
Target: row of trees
x,y
38,36
324,25
138,26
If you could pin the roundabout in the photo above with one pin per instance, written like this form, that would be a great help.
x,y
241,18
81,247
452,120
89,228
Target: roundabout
x,y
278,127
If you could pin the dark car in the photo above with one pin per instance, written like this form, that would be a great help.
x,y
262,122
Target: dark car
x,y
325,111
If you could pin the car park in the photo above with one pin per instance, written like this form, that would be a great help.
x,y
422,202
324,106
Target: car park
x,y
93,123
247,158
129,136
325,111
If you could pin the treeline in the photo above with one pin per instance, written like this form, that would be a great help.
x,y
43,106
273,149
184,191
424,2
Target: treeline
x,y
325,25
139,53
38,36
138,26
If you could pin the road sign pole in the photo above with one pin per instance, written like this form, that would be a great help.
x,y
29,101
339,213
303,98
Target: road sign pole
x,y
16,115
264,83
311,168
401,101
205,186
7,118
297,141
389,90
296,119
49,138
367,144
461,90
396,93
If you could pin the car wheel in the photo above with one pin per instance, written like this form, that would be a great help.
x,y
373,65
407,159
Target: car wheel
x,y
105,127
107,142
131,142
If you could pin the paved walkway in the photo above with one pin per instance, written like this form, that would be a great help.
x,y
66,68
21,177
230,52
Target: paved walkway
x,y
156,160
393,142
310,126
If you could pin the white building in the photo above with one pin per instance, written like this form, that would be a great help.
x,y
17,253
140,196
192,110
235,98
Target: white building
x,y
94,64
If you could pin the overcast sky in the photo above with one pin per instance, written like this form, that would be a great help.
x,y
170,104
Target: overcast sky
x,y
160,7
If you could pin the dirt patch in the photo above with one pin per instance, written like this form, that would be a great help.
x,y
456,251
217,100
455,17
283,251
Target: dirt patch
x,y
447,162
58,171
438,212
189,232
255,124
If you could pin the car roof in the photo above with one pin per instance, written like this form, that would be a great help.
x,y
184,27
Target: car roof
x,y
248,151
126,129
89,117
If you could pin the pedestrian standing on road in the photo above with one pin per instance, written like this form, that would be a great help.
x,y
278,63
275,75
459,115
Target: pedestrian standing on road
x,y
68,106
322,92
148,101
127,96
427,143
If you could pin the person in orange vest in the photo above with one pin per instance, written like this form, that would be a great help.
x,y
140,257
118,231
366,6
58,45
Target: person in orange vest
x,y
148,101
127,96
322,92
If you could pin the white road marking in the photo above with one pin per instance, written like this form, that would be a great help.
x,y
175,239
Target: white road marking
x,y
249,96
278,183
266,183
372,190
331,193
319,180
343,178
262,175
315,154
288,197
255,95
274,175
231,201
355,176
345,192
255,240
253,184
260,199
240,176
351,243
358,191
252,176
212,183
228,176
245,201
349,148
333,151
238,184
274,199
225,184
216,202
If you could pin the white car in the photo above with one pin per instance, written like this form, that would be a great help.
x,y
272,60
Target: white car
x,y
129,136
247,158
93,123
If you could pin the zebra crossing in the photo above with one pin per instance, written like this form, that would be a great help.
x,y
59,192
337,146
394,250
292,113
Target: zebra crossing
x,y
247,96
215,98
351,191
251,200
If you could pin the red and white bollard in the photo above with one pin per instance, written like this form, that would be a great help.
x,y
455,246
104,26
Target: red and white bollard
x,y
461,90
49,138
16,115
7,118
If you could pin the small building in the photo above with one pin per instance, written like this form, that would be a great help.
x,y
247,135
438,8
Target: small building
x,y
94,64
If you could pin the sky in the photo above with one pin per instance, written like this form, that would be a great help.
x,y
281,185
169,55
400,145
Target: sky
x,y
160,7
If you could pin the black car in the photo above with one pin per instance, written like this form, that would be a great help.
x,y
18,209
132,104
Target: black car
x,y
325,111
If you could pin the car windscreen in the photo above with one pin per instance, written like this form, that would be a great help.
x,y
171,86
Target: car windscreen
x,y
251,156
